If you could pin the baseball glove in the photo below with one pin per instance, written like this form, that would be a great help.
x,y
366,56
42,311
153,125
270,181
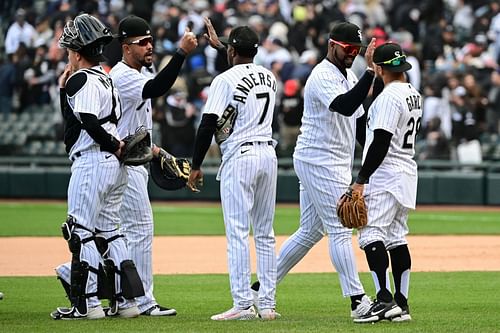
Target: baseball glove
x,y
168,172
225,124
351,210
137,149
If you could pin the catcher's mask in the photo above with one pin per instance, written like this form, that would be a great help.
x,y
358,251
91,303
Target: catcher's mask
x,y
86,35
164,178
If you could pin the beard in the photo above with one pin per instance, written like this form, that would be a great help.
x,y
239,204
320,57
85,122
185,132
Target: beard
x,y
147,60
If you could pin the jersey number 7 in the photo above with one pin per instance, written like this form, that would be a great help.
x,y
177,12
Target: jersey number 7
x,y
266,106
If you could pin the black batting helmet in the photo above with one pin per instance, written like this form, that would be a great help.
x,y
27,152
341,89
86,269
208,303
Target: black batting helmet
x,y
86,35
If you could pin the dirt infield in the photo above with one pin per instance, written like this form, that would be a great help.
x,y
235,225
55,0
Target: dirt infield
x,y
30,256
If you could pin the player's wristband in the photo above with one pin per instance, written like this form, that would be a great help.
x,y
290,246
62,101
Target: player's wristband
x,y
181,52
370,70
362,180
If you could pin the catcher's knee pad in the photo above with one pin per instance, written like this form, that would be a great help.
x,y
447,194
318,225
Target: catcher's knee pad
x,y
131,283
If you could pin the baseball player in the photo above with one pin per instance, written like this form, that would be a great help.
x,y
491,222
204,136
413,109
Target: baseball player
x,y
239,110
91,109
333,118
388,178
136,88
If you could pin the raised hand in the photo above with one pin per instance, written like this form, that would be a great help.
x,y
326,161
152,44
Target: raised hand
x,y
188,41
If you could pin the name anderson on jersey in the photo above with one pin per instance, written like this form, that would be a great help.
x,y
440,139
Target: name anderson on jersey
x,y
250,81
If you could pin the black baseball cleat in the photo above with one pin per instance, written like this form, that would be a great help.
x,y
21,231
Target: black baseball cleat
x,y
158,310
378,311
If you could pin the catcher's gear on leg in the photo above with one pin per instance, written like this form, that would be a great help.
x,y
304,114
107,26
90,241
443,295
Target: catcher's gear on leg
x,y
351,210
137,149
168,172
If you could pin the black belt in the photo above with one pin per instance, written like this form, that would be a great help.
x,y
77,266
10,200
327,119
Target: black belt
x,y
79,154
270,143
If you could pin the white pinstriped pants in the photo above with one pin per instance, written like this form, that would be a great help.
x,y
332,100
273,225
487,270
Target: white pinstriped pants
x,y
319,194
136,217
94,197
387,221
248,197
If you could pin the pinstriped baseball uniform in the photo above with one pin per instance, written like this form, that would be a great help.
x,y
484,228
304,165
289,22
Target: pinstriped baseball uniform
x,y
97,179
392,189
323,161
136,215
248,176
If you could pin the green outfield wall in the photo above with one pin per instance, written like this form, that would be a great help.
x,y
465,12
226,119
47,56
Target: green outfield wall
x,y
435,187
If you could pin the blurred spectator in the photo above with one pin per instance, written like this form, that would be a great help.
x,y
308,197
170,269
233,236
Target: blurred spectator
x,y
179,132
493,108
7,82
290,115
308,59
436,146
435,107
19,32
38,78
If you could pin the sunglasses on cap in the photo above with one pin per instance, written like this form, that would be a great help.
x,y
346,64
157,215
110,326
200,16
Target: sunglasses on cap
x,y
394,61
142,42
351,50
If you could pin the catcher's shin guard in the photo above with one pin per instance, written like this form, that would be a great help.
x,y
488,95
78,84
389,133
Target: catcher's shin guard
x,y
79,268
106,286
130,281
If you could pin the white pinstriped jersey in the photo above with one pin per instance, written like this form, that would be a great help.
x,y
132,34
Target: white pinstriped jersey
x,y
95,97
251,89
136,110
326,137
398,110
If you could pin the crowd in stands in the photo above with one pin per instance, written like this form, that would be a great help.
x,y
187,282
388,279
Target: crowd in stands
x,y
453,45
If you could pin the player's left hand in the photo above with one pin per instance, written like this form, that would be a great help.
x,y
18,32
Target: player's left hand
x,y
369,53
211,35
195,180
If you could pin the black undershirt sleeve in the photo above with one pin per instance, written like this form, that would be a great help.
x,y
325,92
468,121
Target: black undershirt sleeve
x,y
361,130
375,155
222,54
203,139
90,123
378,86
346,104
62,100
165,78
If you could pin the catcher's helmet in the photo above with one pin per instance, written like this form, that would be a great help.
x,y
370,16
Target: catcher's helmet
x,y
164,178
87,35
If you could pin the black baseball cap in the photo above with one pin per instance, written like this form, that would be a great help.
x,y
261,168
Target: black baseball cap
x,y
241,37
391,57
348,33
133,26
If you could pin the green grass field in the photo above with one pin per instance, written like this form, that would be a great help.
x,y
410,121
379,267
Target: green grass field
x,y
44,219
440,302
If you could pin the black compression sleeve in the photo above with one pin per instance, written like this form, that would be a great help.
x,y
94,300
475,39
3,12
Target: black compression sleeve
x,y
222,53
62,100
90,123
361,130
346,104
203,139
375,155
164,80
378,86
